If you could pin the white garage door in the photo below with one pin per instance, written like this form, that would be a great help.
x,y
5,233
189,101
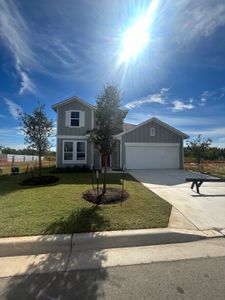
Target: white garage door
x,y
151,156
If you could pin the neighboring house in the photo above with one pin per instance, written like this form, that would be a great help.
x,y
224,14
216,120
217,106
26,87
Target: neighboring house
x,y
152,144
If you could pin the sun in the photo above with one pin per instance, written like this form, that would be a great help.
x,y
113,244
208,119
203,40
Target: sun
x,y
134,40
136,37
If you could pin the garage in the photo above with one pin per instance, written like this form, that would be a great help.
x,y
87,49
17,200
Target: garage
x,y
152,155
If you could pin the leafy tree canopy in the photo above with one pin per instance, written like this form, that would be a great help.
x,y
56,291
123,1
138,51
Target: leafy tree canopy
x,y
109,119
199,147
38,130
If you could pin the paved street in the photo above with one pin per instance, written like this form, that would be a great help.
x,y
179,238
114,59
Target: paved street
x,y
204,211
202,278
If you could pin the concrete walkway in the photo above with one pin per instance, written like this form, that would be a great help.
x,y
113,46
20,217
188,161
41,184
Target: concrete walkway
x,y
67,252
204,211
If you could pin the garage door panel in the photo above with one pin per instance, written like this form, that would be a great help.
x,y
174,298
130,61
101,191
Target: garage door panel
x,y
151,157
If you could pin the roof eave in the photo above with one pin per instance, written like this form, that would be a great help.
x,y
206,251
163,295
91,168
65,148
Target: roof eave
x,y
178,132
75,98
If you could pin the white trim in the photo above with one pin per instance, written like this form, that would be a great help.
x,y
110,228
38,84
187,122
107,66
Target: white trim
x,y
79,137
185,136
152,131
74,160
80,113
73,98
177,145
152,144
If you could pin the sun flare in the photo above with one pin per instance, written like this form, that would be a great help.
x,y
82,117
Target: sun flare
x,y
136,37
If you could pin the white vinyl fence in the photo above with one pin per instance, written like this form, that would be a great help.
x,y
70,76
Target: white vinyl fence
x,y
22,158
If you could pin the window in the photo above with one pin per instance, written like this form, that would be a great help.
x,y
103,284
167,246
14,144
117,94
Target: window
x,y
74,151
152,131
68,150
81,151
75,119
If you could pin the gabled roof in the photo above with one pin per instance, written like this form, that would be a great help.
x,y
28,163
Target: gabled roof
x,y
174,130
71,99
128,126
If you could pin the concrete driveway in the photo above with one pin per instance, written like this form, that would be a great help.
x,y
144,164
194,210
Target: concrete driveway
x,y
204,211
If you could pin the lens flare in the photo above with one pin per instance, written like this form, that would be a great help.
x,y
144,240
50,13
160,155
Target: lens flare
x,y
136,37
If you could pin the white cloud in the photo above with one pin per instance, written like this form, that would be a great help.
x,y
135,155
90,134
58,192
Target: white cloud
x,y
26,83
205,96
14,32
196,19
160,98
180,106
138,117
214,132
221,139
14,108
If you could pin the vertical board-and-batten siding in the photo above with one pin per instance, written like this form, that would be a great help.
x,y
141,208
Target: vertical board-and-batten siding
x,y
162,135
115,156
62,129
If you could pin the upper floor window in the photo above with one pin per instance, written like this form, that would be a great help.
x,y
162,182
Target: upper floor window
x,y
75,119
152,131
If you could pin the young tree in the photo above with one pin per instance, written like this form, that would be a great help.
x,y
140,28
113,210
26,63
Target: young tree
x,y
37,129
109,122
199,147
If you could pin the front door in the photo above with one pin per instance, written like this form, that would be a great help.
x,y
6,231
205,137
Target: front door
x,y
105,159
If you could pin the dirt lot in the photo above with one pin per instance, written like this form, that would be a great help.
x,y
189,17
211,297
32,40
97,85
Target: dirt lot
x,y
216,168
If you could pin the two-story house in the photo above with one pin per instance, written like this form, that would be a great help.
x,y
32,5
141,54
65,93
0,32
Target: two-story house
x,y
152,144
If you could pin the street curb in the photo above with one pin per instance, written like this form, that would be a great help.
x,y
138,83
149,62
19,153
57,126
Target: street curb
x,y
65,243
31,245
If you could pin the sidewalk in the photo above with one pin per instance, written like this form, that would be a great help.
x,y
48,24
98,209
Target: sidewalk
x,y
58,243
67,252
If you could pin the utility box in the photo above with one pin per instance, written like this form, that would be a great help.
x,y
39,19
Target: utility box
x,y
15,171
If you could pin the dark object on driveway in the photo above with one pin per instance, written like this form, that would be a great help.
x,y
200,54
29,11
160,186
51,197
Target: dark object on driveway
x,y
199,181
42,180
15,171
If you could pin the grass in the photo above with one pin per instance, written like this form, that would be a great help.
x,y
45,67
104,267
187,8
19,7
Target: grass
x,y
59,208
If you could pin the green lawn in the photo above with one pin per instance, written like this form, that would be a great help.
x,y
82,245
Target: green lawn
x,y
59,208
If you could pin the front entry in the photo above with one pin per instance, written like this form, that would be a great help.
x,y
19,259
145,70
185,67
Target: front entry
x,y
107,160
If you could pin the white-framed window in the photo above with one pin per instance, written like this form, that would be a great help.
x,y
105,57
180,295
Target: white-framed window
x,y
81,150
75,118
152,131
68,150
75,151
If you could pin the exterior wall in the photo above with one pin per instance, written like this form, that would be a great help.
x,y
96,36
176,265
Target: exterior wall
x,y
63,130
115,157
162,135
59,157
97,158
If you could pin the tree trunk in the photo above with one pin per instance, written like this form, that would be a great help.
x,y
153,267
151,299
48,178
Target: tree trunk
x,y
39,164
104,177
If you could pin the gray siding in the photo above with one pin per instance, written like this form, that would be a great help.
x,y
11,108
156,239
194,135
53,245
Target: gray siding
x,y
162,135
96,158
115,157
63,130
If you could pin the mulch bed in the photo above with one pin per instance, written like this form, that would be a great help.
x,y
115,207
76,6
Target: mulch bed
x,y
112,195
40,180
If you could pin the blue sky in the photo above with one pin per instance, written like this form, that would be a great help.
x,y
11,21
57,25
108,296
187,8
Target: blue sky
x,y
51,50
